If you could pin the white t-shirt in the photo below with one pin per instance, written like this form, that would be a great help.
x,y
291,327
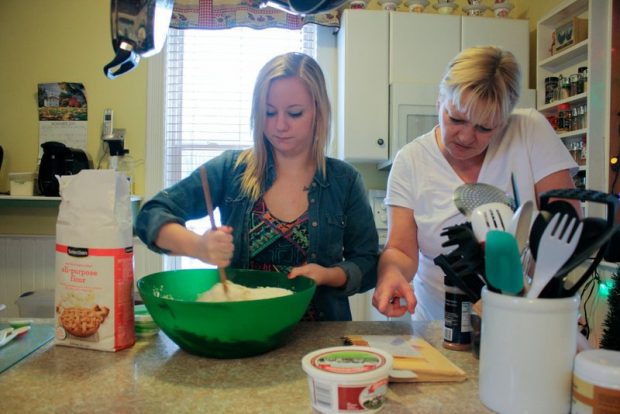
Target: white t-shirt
x,y
421,179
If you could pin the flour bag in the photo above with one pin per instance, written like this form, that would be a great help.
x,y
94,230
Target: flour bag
x,y
94,262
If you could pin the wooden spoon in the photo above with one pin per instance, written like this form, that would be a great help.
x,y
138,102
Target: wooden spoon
x,y
207,194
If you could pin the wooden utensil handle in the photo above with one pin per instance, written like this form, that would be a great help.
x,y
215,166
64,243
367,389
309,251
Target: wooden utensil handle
x,y
207,194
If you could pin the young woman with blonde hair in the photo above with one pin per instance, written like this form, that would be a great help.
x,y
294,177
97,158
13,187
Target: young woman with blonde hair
x,y
284,205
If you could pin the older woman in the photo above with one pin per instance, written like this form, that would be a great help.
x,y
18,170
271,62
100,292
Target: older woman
x,y
284,205
480,139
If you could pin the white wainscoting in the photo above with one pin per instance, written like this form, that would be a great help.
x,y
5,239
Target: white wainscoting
x,y
27,263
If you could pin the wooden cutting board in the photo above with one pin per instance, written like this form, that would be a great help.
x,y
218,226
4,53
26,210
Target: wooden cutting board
x,y
19,348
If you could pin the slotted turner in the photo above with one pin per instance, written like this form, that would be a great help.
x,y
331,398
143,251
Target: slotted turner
x,y
469,196
555,247
491,216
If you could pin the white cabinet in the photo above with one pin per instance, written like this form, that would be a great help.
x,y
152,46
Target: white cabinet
x,y
362,116
421,45
588,140
379,49
509,34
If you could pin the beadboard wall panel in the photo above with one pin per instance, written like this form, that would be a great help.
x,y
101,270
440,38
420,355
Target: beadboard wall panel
x,y
27,263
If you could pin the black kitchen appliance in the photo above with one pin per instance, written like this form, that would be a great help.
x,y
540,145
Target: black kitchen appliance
x,y
58,159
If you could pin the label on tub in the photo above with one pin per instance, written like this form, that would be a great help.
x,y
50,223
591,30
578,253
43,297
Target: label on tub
x,y
348,379
589,398
348,361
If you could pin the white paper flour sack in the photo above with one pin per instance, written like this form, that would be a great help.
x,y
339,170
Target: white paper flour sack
x,y
94,262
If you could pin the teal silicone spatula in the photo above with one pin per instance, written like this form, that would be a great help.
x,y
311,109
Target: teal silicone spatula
x,y
502,262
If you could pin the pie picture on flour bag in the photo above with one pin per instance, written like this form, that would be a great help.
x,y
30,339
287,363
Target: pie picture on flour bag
x,y
83,322
94,262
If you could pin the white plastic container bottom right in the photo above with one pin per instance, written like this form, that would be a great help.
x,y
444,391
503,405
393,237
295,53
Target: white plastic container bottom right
x,y
596,382
348,379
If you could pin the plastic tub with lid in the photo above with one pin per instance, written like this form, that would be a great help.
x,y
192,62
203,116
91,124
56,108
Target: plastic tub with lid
x,y
21,183
596,382
348,379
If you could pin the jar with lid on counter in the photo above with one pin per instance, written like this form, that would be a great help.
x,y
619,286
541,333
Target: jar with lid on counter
x,y
596,382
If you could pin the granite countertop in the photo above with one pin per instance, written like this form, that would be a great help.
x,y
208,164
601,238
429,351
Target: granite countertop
x,y
156,376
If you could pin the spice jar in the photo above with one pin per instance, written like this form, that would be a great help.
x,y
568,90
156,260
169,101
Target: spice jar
x,y
584,153
561,127
564,117
575,80
583,112
568,120
551,86
576,119
553,120
583,71
565,88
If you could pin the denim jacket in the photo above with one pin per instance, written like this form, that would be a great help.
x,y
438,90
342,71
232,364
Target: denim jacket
x,y
341,227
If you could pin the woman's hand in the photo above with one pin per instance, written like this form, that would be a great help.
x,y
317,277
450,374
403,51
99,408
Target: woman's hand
x,y
398,260
391,288
330,276
216,246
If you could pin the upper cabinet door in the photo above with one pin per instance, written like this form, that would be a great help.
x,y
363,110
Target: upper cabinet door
x,y
362,116
509,34
421,45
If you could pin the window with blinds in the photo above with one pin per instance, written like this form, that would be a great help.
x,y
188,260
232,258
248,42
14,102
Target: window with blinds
x,y
209,84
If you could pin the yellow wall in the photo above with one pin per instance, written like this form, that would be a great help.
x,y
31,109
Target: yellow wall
x,y
62,40
69,40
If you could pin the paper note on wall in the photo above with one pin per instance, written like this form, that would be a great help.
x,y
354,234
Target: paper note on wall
x,y
63,114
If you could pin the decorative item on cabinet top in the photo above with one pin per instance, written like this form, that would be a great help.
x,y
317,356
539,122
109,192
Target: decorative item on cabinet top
x,y
475,8
389,5
358,4
445,6
416,6
502,8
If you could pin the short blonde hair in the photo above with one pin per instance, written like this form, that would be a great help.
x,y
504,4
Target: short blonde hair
x,y
484,83
284,66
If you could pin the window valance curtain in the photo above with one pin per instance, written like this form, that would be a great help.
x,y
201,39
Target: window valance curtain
x,y
225,14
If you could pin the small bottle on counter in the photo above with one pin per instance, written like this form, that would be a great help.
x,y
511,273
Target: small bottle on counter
x,y
457,325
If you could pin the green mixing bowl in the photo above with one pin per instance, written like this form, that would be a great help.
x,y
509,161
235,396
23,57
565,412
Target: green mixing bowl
x,y
226,329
